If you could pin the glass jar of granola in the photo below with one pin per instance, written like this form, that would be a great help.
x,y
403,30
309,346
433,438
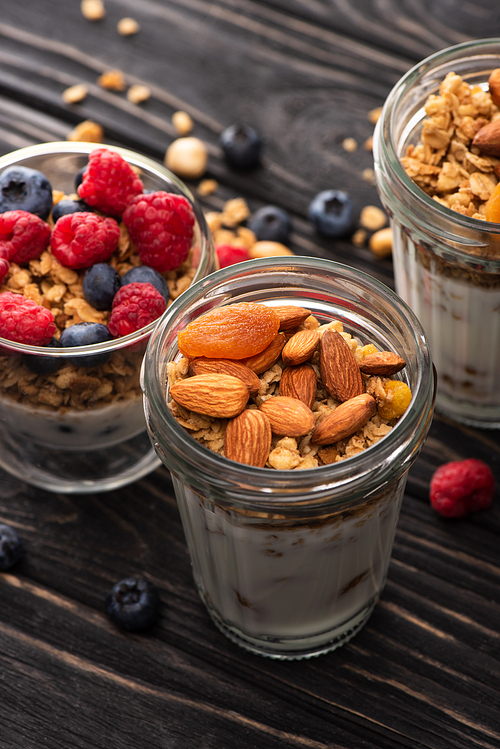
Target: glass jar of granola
x,y
435,172
290,556
71,419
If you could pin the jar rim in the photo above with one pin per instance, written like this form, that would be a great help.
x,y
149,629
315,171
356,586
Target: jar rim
x,y
385,154
364,473
153,168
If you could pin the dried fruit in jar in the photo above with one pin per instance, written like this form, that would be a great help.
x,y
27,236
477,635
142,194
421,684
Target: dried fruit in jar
x,y
398,397
237,331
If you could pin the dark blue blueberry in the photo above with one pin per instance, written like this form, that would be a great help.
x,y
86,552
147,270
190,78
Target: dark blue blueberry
x,y
271,224
69,206
242,146
11,547
44,365
133,604
86,334
100,284
145,274
79,177
23,189
332,213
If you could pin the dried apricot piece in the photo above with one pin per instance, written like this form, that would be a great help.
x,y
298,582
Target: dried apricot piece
x,y
492,207
233,332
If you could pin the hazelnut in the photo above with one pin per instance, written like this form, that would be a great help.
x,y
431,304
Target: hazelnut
x,y
187,157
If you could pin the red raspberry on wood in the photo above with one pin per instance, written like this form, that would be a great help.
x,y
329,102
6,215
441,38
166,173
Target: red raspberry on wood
x,y
461,487
24,321
23,236
134,306
80,240
109,183
161,226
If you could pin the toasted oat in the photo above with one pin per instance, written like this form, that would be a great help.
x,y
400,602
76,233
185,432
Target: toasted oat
x,y
137,94
87,132
75,94
113,80
127,27
234,212
207,186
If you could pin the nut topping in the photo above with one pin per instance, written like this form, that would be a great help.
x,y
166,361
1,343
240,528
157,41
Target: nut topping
x,y
290,316
345,420
232,367
300,347
339,369
382,363
248,438
260,362
301,383
219,395
288,416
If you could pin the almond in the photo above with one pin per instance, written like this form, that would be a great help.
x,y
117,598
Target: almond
x,y
260,362
339,369
291,316
299,382
248,438
345,420
487,139
382,363
300,347
232,367
288,416
219,395
494,86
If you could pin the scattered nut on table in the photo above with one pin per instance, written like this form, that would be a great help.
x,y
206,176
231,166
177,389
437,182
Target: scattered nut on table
x,y
182,122
381,243
187,157
93,10
127,27
75,94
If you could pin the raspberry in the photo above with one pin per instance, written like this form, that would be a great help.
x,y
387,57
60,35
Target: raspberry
x,y
229,255
109,182
4,268
24,321
23,236
80,240
160,225
461,487
134,306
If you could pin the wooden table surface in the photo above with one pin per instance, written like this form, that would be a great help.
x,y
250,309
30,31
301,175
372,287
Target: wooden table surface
x,y
425,670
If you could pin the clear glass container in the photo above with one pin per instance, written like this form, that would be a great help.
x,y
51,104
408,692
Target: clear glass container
x,y
82,446
446,265
291,563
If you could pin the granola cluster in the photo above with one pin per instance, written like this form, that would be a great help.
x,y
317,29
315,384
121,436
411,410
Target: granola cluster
x,y
288,453
59,289
446,164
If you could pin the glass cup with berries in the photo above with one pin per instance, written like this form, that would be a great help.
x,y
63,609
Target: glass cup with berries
x,y
95,243
289,397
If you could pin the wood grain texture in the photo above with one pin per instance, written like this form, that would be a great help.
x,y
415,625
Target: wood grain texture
x,y
424,672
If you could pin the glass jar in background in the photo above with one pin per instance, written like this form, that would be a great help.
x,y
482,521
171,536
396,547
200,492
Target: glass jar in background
x,y
91,444
446,265
291,563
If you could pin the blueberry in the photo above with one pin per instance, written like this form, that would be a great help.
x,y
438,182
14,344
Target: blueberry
x,y
69,206
242,146
100,284
79,177
271,224
85,334
11,547
332,213
23,189
44,365
145,274
133,604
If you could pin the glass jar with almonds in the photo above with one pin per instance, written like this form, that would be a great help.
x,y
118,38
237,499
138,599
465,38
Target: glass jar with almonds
x,y
288,398
437,163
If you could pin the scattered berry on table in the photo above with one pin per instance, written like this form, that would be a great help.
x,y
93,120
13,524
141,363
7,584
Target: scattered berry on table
x,y
145,274
11,547
80,240
461,487
109,182
242,146
24,321
44,365
271,223
134,306
229,255
86,334
23,236
100,284
332,213
160,225
64,207
23,189
133,604
4,268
